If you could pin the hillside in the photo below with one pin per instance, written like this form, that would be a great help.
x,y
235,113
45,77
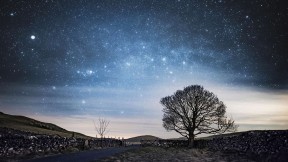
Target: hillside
x,y
225,135
144,137
30,125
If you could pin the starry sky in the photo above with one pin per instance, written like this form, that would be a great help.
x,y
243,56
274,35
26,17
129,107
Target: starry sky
x,y
72,61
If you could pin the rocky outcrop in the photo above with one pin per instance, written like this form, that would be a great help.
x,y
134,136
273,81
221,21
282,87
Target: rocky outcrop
x,y
269,145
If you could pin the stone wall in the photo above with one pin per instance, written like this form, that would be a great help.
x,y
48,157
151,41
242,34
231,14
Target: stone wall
x,y
260,145
15,143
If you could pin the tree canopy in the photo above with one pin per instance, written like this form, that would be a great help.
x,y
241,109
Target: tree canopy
x,y
195,111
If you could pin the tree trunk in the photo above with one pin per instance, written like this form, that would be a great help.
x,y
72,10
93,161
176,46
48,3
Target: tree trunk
x,y
191,141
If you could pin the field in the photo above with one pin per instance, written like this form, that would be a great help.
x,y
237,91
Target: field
x,y
176,154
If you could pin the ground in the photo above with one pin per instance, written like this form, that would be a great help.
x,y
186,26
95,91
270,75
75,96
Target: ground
x,y
176,154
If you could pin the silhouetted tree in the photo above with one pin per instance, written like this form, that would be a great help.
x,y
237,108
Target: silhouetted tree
x,y
194,111
102,126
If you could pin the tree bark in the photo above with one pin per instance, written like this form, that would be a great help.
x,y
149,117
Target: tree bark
x,y
191,141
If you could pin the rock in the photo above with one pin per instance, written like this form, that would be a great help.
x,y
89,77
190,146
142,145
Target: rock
x,y
48,150
86,144
26,152
72,140
10,150
16,152
32,137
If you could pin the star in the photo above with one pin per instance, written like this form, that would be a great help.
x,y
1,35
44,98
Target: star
x,y
119,57
89,72
128,64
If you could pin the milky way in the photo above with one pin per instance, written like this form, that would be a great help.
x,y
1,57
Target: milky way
x,y
91,57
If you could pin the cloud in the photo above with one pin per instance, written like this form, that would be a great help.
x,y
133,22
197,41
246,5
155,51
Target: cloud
x,y
137,111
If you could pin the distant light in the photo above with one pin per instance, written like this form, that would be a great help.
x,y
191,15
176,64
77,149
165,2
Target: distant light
x,y
53,87
83,102
33,37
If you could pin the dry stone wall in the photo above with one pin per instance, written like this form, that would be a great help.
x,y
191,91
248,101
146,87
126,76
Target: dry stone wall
x,y
15,143
261,145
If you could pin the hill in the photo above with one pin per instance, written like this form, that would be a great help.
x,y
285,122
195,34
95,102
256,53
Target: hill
x,y
144,137
225,135
30,125
209,137
179,138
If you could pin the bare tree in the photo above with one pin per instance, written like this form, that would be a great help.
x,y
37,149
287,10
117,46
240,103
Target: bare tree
x,y
194,111
102,126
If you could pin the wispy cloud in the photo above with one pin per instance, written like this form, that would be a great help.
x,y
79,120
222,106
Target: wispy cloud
x,y
138,111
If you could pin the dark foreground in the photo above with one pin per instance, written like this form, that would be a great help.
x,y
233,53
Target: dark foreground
x,y
160,154
85,156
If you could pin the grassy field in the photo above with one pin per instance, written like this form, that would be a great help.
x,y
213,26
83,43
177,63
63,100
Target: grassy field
x,y
30,125
175,154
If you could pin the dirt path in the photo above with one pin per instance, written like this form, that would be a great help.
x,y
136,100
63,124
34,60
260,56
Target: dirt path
x,y
85,156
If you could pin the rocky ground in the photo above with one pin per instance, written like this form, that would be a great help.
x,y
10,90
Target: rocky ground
x,y
176,154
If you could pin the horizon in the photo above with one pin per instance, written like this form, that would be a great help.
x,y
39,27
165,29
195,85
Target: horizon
x,y
71,64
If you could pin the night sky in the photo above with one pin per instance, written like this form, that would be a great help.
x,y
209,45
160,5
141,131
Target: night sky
x,y
71,61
